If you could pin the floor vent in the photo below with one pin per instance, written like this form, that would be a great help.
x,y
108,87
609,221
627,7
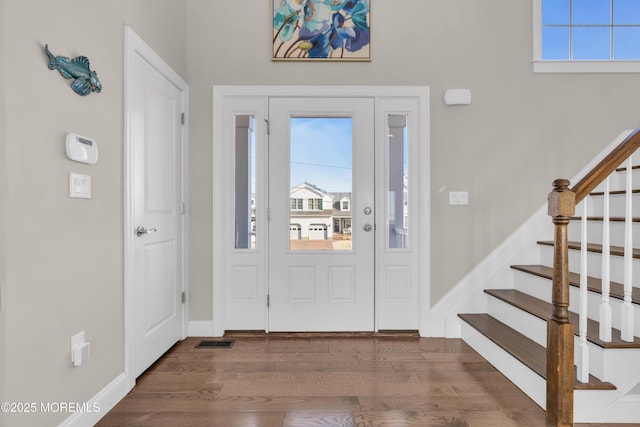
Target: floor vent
x,y
215,344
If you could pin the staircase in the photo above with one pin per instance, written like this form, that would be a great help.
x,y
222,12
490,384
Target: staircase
x,y
512,333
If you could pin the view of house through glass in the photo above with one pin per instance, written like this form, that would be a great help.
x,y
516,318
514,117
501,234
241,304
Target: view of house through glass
x,y
320,170
397,182
245,183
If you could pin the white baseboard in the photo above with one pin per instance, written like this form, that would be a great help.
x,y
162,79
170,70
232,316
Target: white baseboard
x,y
102,402
201,328
108,397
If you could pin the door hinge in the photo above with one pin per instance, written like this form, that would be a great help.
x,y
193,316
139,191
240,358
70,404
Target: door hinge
x,y
268,214
184,297
268,300
268,126
182,119
183,208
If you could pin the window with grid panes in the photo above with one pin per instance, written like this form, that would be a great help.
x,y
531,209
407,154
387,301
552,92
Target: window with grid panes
x,y
599,35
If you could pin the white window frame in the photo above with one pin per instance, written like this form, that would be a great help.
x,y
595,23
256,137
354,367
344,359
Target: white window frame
x,y
314,204
299,204
575,66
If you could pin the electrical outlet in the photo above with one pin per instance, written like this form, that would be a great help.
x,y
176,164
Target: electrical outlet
x,y
76,341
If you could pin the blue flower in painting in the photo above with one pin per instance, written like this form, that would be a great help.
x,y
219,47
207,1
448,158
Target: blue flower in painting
x,y
319,40
322,26
351,38
314,13
358,9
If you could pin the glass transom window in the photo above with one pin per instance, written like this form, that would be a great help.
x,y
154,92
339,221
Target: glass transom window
x,y
586,36
589,30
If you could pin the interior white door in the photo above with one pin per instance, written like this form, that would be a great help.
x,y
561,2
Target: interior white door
x,y
157,137
321,250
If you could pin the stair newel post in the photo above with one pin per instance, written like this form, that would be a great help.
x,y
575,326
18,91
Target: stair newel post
x,y
560,333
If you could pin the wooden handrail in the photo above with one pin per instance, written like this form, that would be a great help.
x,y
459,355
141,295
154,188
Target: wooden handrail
x,y
603,169
560,333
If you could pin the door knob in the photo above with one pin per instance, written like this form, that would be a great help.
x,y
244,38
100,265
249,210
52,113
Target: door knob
x,y
141,231
367,227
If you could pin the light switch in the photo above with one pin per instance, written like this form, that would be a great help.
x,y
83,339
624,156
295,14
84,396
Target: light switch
x,y
79,185
458,198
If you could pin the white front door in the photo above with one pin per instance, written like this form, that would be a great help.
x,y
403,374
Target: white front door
x,y
156,132
321,152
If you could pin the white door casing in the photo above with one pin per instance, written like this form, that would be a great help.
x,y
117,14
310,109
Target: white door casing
x,y
331,290
155,205
402,299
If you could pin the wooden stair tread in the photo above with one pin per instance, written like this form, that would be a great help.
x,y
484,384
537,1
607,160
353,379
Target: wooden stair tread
x,y
599,218
624,168
594,284
524,349
594,247
543,310
614,192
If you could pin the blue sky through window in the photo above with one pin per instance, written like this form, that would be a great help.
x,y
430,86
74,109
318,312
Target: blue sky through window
x,y
591,29
322,152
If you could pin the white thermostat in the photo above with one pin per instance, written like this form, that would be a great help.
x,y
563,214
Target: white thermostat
x,y
81,149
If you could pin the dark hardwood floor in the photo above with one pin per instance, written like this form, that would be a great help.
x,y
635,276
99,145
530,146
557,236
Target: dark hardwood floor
x,y
324,381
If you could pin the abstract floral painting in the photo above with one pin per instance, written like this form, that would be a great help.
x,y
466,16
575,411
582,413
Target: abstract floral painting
x,y
321,30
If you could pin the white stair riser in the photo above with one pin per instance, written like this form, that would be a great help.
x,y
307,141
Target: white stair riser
x,y
519,374
617,181
531,326
594,264
536,329
590,406
620,406
617,205
600,406
540,288
594,232
533,285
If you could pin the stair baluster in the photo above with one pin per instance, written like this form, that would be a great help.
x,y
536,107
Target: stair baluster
x,y
583,346
605,305
627,323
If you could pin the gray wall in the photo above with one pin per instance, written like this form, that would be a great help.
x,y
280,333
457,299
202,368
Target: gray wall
x,y
3,180
521,131
63,270
64,266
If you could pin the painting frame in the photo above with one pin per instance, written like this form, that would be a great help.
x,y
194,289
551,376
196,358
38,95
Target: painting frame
x,y
321,30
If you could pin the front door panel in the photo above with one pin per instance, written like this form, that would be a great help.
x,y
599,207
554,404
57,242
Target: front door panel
x,y
321,227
